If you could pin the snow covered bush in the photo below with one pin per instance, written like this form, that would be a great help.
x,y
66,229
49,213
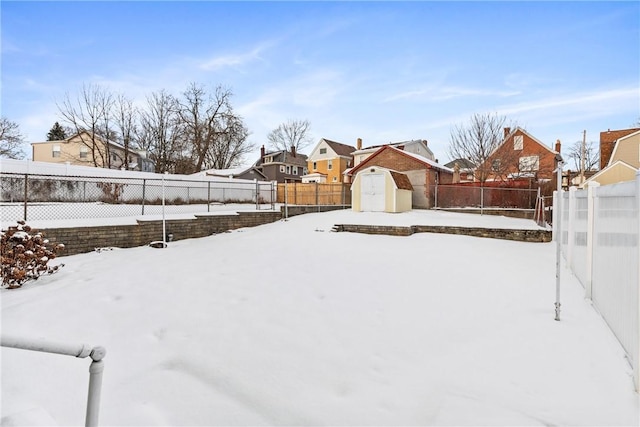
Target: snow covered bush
x,y
25,256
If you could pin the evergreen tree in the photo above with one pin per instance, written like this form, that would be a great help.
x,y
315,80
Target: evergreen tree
x,y
56,133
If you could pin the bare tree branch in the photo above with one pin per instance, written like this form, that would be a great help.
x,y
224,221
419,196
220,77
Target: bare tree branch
x,y
293,133
476,141
90,113
11,140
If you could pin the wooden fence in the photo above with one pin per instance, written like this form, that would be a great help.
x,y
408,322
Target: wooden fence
x,y
314,193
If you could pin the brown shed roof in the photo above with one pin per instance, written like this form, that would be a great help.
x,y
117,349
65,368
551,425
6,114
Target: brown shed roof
x,y
401,180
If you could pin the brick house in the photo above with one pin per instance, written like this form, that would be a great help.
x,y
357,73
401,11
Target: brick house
x,y
519,156
608,141
328,161
282,165
423,173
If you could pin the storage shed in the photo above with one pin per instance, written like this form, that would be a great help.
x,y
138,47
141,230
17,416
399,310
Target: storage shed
x,y
377,189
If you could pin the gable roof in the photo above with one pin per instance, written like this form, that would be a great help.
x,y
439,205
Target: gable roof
x,y
536,140
617,164
428,163
339,148
463,163
283,156
608,140
617,144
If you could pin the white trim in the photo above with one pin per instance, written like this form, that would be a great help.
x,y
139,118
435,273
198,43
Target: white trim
x,y
615,146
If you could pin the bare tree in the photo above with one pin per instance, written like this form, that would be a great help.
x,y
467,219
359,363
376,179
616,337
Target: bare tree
x,y
11,140
125,120
89,117
293,133
591,155
212,129
230,146
477,140
160,132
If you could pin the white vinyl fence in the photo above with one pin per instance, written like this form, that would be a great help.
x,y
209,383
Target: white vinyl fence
x,y
599,230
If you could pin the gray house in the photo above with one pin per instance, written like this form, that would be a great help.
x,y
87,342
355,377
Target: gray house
x,y
282,165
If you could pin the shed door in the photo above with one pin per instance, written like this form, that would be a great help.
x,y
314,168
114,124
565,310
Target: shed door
x,y
372,192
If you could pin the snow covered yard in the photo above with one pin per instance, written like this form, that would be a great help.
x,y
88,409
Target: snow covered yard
x,y
290,324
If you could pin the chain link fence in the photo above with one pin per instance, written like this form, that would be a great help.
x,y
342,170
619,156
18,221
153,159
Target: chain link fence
x,y
52,197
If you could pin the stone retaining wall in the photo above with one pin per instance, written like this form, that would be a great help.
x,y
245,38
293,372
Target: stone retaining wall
x,y
495,233
86,239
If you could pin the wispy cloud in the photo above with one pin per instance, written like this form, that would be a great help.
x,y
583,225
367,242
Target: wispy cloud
x,y
442,93
234,59
607,100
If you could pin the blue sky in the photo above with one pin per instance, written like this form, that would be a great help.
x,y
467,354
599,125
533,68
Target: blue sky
x,y
380,71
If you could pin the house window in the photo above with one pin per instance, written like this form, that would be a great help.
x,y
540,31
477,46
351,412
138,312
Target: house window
x,y
335,179
518,142
295,170
305,171
323,151
315,165
84,152
289,170
282,169
268,159
56,151
329,164
114,157
495,165
529,163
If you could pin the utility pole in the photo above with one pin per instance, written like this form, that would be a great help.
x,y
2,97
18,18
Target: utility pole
x,y
582,155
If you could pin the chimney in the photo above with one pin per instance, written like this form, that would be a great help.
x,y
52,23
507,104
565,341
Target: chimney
x,y
359,144
262,153
293,150
558,145
507,131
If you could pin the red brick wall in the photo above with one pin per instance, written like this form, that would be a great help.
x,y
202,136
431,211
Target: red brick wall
x,y
509,157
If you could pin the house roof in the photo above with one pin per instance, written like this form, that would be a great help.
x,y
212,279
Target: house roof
x,y
617,144
463,163
395,144
608,140
428,163
284,156
339,148
401,180
608,169
536,140
233,172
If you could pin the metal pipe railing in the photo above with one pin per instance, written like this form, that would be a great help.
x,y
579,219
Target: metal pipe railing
x,y
76,350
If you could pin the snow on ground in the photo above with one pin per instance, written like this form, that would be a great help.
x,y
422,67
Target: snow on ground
x,y
291,324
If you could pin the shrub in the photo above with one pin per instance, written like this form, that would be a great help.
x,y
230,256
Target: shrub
x,y
25,255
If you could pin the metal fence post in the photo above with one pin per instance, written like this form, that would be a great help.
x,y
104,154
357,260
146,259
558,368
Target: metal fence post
x,y
286,200
436,196
557,226
144,193
257,194
481,199
95,386
26,188
571,223
81,351
208,196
